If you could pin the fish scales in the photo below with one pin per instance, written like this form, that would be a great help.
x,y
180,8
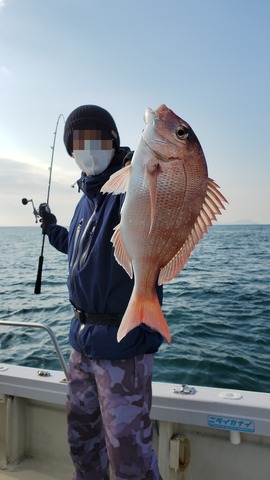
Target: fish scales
x,y
169,204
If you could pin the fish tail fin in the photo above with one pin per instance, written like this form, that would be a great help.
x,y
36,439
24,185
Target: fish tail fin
x,y
143,310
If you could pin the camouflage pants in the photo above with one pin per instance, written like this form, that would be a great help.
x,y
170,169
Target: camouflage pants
x,y
108,406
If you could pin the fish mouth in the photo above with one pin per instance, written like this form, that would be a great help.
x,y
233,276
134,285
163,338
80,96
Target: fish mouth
x,y
151,114
150,117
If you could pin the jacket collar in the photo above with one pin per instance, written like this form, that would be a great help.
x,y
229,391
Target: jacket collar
x,y
91,185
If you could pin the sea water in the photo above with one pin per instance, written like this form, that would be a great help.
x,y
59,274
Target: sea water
x,y
218,308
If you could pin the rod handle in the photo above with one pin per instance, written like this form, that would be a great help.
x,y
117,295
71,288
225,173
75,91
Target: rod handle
x,y
39,275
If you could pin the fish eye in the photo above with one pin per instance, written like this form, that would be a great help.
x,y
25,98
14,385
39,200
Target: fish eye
x,y
182,132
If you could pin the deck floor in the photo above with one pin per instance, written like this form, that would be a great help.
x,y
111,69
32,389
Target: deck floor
x,y
33,470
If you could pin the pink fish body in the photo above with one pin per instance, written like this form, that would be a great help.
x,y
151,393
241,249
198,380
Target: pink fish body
x,y
169,204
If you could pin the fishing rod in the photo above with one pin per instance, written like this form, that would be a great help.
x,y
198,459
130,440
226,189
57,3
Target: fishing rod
x,y
37,213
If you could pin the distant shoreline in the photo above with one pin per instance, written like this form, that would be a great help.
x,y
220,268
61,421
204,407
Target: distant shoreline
x,y
219,224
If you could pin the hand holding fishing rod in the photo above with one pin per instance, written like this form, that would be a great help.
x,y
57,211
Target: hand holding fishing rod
x,y
43,214
46,217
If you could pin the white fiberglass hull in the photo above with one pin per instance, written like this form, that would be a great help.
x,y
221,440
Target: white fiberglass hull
x,y
199,433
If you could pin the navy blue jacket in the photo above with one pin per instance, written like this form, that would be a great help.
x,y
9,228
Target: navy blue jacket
x,y
96,282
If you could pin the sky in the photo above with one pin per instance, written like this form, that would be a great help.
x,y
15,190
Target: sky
x,y
207,60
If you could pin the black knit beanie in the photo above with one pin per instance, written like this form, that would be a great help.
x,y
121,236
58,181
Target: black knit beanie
x,y
90,117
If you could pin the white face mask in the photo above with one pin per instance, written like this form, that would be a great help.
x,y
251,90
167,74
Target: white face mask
x,y
93,162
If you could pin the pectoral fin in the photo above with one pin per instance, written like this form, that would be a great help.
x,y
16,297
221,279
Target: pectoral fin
x,y
150,180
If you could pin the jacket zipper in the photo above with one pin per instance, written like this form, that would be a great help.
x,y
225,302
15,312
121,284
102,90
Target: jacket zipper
x,y
85,253
75,241
76,260
81,328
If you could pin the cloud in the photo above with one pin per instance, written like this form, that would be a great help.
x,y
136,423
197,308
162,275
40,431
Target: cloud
x,y
2,3
23,180
18,175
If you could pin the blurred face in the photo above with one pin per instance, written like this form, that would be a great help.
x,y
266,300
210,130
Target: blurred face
x,y
91,140
92,150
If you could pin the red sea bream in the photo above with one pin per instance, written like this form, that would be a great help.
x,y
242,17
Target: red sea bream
x,y
170,203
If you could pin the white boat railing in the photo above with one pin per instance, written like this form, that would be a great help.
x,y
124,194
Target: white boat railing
x,y
48,330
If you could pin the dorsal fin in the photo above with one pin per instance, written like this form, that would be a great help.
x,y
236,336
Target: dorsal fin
x,y
118,182
213,201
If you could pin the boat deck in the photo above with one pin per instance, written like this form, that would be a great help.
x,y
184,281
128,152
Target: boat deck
x,y
33,470
209,433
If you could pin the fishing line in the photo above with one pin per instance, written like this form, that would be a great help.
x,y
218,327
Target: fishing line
x,y
37,289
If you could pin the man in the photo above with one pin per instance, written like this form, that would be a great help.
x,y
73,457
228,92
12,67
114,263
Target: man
x,y
109,385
